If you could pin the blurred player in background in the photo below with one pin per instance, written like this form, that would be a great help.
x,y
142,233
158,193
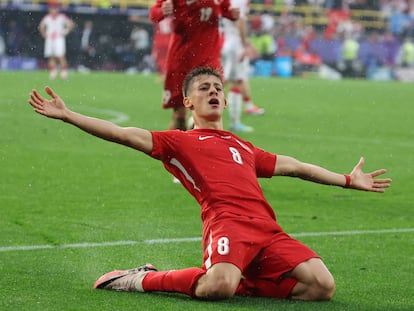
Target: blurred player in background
x,y
195,41
245,251
235,62
87,58
160,43
54,27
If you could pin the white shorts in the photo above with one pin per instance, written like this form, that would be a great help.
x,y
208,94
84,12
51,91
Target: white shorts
x,y
55,47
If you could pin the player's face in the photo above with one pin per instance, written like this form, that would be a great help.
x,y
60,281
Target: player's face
x,y
53,11
206,97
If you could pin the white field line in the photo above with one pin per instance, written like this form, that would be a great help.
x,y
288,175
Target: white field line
x,y
195,239
115,116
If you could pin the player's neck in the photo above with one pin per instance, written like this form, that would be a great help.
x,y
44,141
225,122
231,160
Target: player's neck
x,y
211,125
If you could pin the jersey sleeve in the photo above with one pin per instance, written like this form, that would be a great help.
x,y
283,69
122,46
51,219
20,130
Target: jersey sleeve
x,y
165,144
244,10
243,5
155,12
265,163
225,9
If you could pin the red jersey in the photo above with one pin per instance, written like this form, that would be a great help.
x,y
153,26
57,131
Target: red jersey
x,y
160,43
219,169
195,41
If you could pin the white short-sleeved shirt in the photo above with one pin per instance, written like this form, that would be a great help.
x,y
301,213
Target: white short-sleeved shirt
x,y
55,25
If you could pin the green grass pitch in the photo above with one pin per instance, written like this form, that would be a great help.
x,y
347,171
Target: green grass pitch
x,y
66,196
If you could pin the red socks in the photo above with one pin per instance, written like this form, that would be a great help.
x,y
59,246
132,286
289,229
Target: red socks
x,y
184,282
235,90
179,281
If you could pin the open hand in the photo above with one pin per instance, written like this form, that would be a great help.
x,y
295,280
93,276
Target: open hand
x,y
235,13
167,8
52,108
367,181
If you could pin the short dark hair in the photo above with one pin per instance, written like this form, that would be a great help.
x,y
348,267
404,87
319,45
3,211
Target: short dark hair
x,y
199,71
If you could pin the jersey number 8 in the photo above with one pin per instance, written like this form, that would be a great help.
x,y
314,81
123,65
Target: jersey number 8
x,y
223,247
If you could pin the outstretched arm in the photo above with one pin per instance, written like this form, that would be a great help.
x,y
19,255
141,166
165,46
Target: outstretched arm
x,y
55,108
357,179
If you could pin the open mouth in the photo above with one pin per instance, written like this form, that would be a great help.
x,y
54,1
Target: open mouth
x,y
214,101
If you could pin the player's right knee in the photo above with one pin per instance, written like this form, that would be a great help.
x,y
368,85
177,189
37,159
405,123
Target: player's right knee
x,y
218,290
323,290
327,289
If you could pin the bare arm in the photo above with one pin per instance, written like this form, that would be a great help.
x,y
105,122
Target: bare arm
x,y
55,108
42,30
69,27
288,166
242,26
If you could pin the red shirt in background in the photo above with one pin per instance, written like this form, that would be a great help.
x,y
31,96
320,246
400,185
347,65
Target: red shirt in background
x,y
195,41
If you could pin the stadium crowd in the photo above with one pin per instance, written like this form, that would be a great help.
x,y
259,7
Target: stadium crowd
x,y
351,44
